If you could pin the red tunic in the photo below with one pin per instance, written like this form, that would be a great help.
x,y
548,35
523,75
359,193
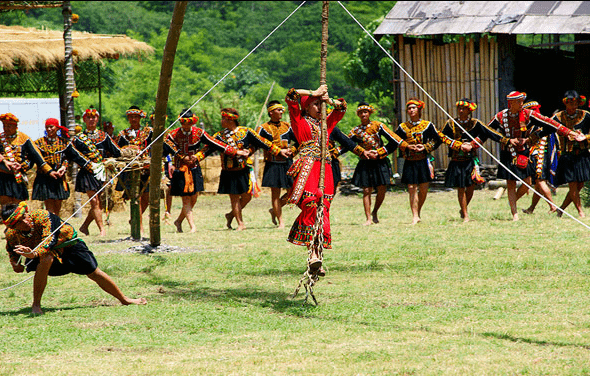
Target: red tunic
x,y
305,192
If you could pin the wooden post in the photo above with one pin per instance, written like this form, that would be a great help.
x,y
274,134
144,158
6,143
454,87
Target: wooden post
x,y
134,210
160,118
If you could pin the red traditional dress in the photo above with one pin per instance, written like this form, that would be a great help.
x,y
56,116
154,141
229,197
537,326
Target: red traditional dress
x,y
305,192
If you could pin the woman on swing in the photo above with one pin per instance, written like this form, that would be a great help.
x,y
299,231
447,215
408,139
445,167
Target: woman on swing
x,y
305,114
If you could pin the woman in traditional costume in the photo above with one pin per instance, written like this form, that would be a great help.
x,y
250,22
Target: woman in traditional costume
x,y
136,139
93,144
544,155
57,151
187,178
305,114
235,179
17,154
517,129
371,174
463,170
418,171
573,167
275,175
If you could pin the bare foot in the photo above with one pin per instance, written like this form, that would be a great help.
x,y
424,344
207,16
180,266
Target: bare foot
x,y
527,211
375,218
281,225
552,209
416,220
103,233
139,301
178,226
241,227
582,215
559,214
465,219
193,230
273,217
368,222
229,218
84,230
461,214
515,217
167,218
36,310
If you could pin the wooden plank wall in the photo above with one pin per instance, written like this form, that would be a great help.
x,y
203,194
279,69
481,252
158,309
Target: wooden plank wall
x,y
448,73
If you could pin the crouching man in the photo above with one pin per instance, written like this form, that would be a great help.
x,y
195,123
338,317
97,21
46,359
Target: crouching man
x,y
49,252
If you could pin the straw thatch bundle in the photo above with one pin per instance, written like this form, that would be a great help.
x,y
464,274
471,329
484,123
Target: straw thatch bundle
x,y
32,49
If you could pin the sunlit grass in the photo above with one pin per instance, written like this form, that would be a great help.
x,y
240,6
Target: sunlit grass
x,y
488,297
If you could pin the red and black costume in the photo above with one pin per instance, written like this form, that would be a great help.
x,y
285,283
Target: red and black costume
x,y
235,171
305,192
377,172
187,178
524,124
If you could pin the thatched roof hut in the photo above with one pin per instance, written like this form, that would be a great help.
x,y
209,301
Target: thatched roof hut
x,y
30,49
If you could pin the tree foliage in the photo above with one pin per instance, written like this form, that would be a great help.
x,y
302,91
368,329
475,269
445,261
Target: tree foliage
x,y
216,36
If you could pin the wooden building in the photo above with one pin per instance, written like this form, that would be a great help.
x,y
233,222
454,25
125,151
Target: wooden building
x,y
470,49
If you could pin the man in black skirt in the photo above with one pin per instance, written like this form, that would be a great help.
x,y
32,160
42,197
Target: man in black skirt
x,y
52,251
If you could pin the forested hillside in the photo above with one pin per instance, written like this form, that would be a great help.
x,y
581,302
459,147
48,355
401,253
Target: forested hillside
x,y
216,36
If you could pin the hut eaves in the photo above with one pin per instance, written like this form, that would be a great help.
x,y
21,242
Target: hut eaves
x,y
496,17
31,49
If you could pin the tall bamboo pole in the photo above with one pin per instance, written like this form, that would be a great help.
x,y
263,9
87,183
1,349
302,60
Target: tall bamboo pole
x,y
258,122
160,117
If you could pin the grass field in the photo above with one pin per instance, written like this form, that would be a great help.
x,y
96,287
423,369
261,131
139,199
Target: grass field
x,y
488,297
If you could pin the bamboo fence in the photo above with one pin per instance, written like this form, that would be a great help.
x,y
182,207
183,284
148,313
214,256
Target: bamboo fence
x,y
450,72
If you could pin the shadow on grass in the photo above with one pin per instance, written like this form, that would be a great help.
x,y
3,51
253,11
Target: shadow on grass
x,y
27,311
510,338
278,301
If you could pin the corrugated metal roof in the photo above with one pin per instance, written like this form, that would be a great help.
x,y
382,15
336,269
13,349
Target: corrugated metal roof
x,y
498,17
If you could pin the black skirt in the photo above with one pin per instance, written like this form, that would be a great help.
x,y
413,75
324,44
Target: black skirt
x,y
522,173
458,174
85,181
45,188
77,259
10,188
416,172
234,182
177,182
275,175
372,173
573,168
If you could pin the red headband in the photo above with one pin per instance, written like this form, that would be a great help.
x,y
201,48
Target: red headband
x,y
306,100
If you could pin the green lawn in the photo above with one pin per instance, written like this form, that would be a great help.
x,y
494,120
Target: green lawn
x,y
488,297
